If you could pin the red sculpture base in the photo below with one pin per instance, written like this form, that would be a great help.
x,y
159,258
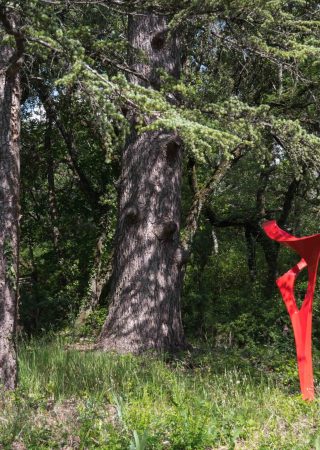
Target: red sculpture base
x,y
309,249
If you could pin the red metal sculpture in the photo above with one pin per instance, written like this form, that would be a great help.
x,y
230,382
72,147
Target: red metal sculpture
x,y
309,249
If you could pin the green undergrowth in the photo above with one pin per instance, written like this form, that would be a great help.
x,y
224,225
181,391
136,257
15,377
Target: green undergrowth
x,y
205,399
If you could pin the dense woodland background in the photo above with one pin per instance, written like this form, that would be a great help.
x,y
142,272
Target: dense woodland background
x,y
231,93
228,92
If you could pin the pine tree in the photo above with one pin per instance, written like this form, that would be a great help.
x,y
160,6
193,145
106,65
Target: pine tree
x,y
145,309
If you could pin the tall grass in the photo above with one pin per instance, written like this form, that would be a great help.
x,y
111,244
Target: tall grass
x,y
72,399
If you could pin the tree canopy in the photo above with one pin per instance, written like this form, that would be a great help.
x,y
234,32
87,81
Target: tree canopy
x,y
245,106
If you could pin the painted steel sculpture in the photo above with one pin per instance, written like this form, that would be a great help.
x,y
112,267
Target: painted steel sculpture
x,y
309,250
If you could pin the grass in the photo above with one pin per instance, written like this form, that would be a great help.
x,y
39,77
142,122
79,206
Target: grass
x,y
209,399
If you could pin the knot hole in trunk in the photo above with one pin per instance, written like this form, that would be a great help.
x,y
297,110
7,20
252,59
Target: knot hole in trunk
x,y
172,151
131,215
158,40
166,230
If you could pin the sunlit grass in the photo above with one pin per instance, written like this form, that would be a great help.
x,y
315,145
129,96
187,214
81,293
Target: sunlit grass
x,y
204,400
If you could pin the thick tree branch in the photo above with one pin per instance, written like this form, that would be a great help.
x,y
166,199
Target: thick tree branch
x,y
9,24
118,66
288,201
262,186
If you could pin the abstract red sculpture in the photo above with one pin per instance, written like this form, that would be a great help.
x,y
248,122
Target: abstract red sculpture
x,y
309,249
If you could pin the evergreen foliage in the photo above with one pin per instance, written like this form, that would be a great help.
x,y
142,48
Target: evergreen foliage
x,y
246,107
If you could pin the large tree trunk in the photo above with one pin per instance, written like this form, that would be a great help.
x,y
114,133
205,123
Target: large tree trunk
x,y
9,211
145,308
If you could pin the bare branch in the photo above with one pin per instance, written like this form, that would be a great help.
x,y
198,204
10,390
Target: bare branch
x,y
202,195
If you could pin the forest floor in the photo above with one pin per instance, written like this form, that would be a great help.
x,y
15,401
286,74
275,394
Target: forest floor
x,y
205,399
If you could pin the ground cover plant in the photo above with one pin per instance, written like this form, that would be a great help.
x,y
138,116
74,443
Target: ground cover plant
x,y
208,398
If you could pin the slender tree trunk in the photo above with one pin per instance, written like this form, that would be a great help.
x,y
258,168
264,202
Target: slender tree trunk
x,y
53,207
271,249
84,182
145,307
271,253
97,277
201,196
251,251
9,212
100,275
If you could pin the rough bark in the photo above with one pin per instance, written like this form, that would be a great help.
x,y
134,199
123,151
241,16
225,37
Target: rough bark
x,y
145,308
9,203
152,49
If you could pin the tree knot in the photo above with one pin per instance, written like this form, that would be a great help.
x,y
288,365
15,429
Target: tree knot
x,y
166,230
131,214
172,150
